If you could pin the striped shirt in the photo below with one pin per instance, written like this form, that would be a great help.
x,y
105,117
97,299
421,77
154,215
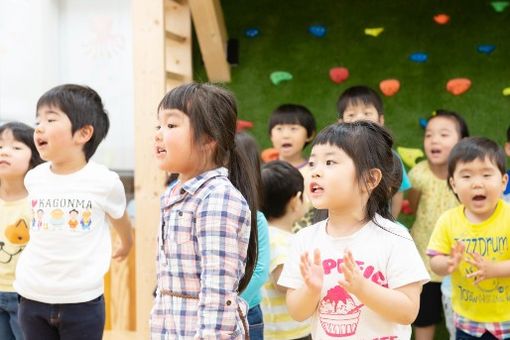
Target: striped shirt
x,y
278,324
202,247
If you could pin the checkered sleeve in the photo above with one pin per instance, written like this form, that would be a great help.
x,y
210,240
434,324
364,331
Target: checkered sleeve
x,y
223,229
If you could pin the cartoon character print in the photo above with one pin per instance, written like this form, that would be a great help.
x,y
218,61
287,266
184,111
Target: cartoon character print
x,y
57,218
338,313
86,220
17,235
38,219
73,219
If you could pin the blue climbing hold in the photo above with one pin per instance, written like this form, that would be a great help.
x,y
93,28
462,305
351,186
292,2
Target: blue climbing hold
x,y
418,57
251,32
423,122
317,31
486,49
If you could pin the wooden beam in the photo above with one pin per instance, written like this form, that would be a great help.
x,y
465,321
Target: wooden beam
x,y
211,33
149,88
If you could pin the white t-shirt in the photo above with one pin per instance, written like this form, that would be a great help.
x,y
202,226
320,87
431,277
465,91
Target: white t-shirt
x,y
70,247
386,256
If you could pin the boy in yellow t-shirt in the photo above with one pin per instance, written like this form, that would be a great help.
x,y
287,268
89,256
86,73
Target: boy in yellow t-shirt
x,y
470,242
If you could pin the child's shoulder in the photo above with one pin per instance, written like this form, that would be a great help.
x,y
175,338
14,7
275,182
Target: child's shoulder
x,y
388,230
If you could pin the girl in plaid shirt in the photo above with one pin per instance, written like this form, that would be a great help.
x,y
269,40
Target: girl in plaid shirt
x,y
207,245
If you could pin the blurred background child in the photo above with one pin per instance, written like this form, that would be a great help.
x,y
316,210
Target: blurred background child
x,y
283,205
429,198
18,154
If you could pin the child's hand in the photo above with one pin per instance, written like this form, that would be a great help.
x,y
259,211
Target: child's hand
x,y
455,257
353,280
484,267
312,272
121,250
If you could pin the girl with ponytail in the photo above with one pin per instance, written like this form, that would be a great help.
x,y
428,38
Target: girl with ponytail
x,y
207,243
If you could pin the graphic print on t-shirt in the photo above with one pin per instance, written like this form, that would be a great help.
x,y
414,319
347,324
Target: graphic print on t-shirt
x,y
17,236
61,214
339,313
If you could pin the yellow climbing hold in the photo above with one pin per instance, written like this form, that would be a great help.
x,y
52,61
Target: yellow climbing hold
x,y
506,91
409,155
375,31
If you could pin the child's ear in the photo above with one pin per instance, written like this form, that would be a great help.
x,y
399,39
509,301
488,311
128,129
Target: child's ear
x,y
83,135
295,201
452,184
374,178
507,148
309,139
381,119
505,181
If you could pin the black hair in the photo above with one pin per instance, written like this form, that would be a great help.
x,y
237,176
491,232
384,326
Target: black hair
x,y
359,95
280,183
246,143
212,111
83,106
293,114
369,146
24,134
471,148
462,128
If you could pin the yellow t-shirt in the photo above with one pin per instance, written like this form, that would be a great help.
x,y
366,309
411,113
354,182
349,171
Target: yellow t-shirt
x,y
15,219
278,324
435,199
489,301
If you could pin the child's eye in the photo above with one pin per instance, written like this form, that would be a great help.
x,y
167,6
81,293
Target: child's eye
x,y
17,148
158,127
171,126
465,176
487,175
330,162
311,164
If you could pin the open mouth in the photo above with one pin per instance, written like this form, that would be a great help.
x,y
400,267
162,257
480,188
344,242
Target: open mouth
x,y
286,146
4,163
160,150
41,142
315,188
435,151
478,198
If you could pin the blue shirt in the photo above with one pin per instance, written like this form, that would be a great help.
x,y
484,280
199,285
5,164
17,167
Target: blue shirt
x,y
252,292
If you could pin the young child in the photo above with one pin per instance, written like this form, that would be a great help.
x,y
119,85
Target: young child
x,y
283,205
207,247
363,103
60,273
470,241
506,193
247,145
291,128
429,198
17,155
358,273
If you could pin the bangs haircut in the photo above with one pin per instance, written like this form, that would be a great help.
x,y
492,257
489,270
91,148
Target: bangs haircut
x,y
290,114
23,134
471,148
359,95
369,147
83,106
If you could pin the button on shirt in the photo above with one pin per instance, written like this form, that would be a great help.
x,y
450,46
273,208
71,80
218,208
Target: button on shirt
x,y
202,247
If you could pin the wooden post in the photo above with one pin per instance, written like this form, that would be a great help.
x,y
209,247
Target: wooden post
x,y
149,88
211,33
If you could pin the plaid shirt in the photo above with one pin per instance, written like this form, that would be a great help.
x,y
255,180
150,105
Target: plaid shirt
x,y
202,247
501,330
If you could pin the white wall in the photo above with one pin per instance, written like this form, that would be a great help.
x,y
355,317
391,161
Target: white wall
x,y
44,43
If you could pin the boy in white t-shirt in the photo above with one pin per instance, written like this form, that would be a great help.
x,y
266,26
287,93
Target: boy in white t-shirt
x,y
282,204
60,274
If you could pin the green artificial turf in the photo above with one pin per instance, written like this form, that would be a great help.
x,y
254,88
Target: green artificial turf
x,y
284,44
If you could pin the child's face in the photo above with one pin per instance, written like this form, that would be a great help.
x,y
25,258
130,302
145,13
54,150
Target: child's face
x,y
53,137
14,156
333,184
479,185
441,135
507,149
361,111
289,140
173,144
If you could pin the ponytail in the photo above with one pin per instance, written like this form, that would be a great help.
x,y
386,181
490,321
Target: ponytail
x,y
243,177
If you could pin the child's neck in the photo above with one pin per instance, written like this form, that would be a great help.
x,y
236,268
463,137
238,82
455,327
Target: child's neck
x,y
68,166
13,190
344,223
297,160
439,170
285,222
